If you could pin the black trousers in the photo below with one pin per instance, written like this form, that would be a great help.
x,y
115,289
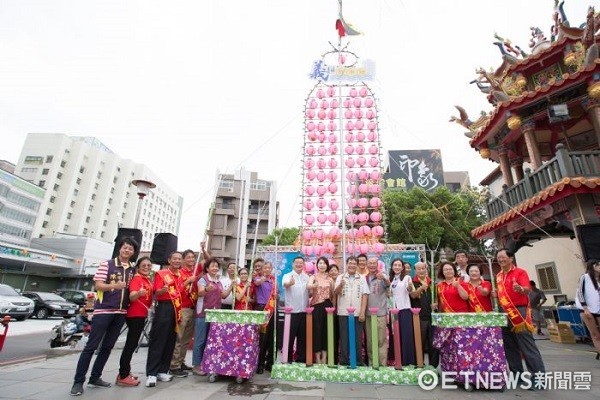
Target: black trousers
x,y
298,333
517,343
344,343
427,342
135,326
265,354
162,339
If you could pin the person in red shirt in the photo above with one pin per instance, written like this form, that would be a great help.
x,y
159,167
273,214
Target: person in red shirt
x,y
513,288
140,296
452,291
168,288
244,293
479,290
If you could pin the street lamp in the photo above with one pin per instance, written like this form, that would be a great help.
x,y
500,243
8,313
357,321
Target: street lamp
x,y
143,188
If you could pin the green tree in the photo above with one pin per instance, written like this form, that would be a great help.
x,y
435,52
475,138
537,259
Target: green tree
x,y
421,217
287,237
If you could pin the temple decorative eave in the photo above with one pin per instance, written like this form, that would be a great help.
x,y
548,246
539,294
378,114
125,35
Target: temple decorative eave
x,y
552,193
502,112
553,48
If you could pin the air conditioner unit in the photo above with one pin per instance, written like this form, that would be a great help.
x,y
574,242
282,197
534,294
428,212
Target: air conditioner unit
x,y
558,113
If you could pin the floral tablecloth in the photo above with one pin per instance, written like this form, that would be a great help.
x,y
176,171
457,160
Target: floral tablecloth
x,y
468,320
385,375
237,316
231,350
472,349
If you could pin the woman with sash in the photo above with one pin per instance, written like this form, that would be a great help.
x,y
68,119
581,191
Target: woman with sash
x,y
320,287
452,292
140,297
479,290
210,294
244,293
168,288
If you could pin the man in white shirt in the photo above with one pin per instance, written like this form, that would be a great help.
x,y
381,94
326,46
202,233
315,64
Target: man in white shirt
x,y
351,290
379,284
296,297
461,260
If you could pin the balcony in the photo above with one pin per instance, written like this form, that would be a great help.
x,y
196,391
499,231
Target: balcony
x,y
564,165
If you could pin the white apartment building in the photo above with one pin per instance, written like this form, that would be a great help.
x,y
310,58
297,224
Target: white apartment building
x,y
20,202
89,190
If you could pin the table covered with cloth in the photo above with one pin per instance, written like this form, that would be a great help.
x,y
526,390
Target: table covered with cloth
x,y
471,342
232,344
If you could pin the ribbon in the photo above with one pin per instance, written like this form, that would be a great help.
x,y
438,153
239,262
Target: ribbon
x,y
519,323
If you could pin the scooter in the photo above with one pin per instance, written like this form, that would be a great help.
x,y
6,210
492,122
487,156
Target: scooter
x,y
65,334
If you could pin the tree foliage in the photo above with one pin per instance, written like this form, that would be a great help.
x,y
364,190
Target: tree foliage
x,y
421,217
287,237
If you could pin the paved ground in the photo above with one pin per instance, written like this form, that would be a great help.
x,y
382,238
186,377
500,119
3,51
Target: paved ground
x,y
52,379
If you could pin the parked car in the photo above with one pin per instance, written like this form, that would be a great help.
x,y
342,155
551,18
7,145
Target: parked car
x,y
80,297
51,304
13,304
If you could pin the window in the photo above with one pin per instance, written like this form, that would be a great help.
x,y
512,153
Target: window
x,y
91,208
49,211
107,211
42,183
52,199
547,277
56,186
45,224
85,231
102,234
27,169
69,215
66,228
104,223
45,171
124,205
224,184
72,204
96,185
81,169
75,192
99,175
49,159
33,160
115,179
110,200
87,219
78,181
112,190
63,163
59,175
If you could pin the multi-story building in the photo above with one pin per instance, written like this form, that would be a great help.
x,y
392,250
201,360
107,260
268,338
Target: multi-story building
x,y
20,203
544,134
89,190
244,211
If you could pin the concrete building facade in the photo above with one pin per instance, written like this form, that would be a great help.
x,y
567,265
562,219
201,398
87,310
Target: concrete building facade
x,y
20,202
89,190
244,212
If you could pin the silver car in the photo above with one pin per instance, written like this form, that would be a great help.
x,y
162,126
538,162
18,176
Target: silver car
x,y
13,304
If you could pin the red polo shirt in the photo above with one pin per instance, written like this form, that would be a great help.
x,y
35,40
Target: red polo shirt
x,y
450,300
520,276
486,301
186,296
140,306
159,283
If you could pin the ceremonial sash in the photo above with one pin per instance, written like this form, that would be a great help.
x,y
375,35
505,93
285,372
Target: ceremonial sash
x,y
474,300
441,286
519,323
417,279
173,283
270,306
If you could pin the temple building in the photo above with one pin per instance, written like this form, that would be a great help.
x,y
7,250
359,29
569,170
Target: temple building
x,y
543,133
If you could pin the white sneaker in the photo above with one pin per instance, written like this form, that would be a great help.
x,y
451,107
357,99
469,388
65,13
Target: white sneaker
x,y
150,381
164,377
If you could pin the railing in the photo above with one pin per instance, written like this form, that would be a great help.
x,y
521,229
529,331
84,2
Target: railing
x,y
565,164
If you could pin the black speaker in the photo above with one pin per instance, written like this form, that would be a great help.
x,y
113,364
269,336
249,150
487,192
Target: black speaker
x,y
136,234
589,238
164,244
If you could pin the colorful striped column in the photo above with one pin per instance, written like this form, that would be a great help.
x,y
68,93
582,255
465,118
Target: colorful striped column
x,y
286,334
396,333
352,337
330,347
374,337
417,330
309,336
